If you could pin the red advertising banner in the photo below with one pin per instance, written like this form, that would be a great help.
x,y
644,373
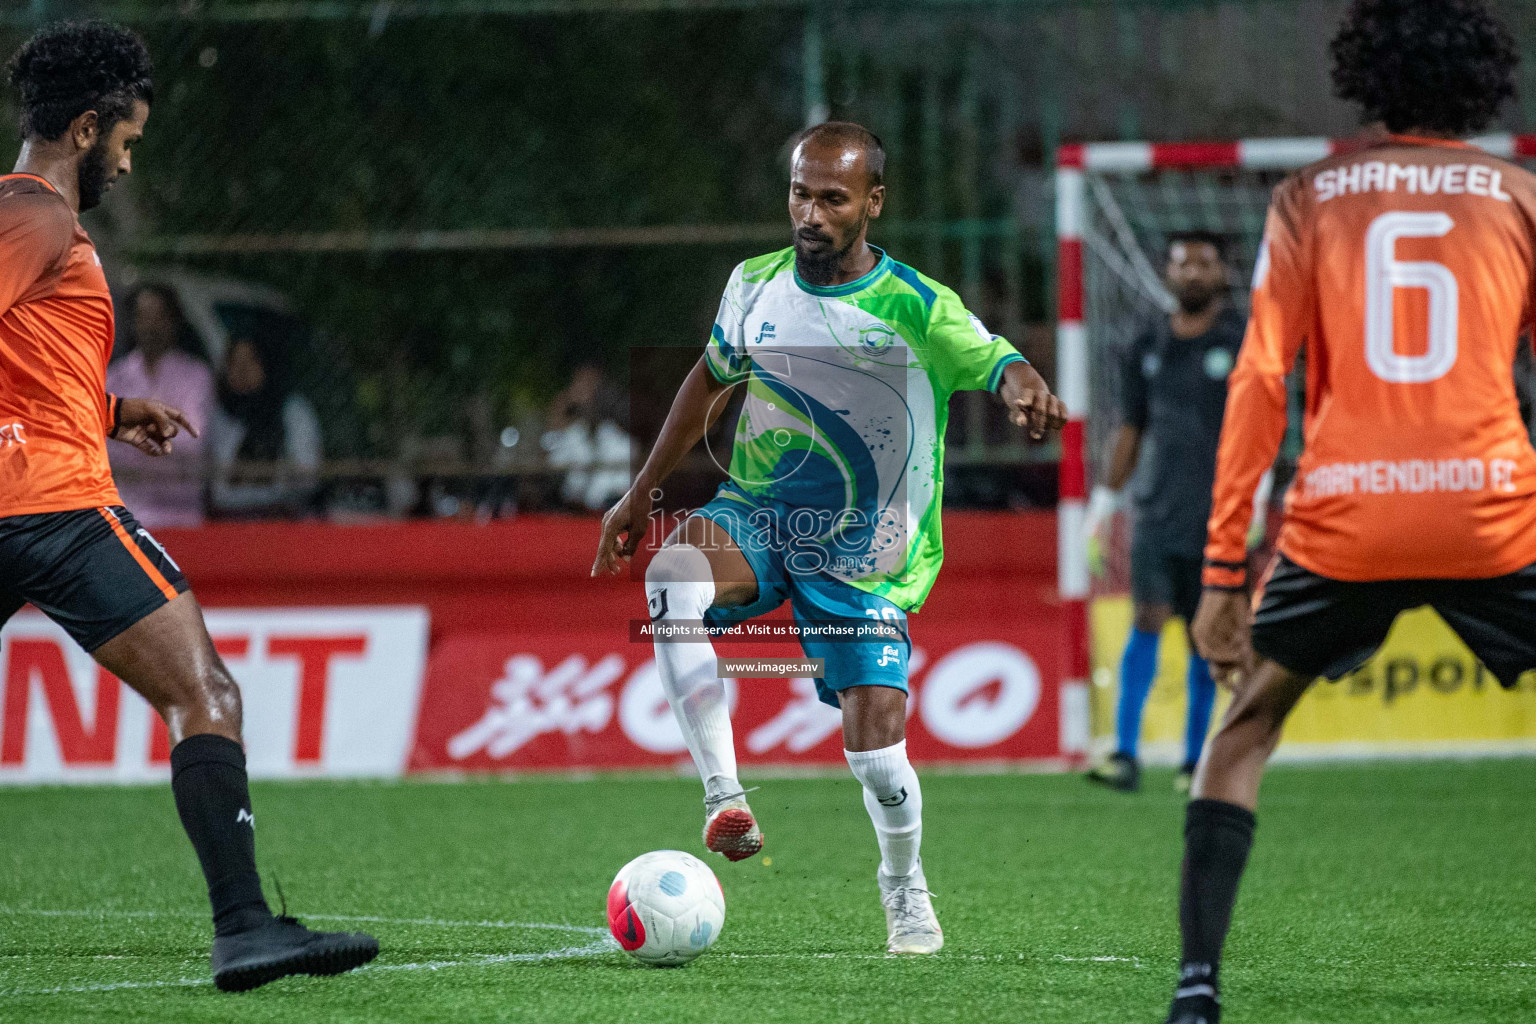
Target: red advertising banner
x,y
503,702
984,676
326,691
372,650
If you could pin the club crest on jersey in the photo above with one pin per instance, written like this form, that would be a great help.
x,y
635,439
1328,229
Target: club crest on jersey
x,y
1218,363
876,338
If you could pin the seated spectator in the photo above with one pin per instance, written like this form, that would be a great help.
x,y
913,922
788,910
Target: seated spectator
x,y
164,491
586,437
265,439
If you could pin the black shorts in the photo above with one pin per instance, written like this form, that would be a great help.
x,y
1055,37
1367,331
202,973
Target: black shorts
x,y
1317,626
94,571
1162,576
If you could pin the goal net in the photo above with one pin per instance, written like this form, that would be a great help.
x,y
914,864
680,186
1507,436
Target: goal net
x,y
1117,206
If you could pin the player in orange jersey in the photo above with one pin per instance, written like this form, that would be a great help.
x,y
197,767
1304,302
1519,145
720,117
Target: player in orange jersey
x,y
1407,268
66,543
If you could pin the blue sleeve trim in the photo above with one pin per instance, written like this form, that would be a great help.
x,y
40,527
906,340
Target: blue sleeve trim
x,y
907,274
724,362
995,378
710,365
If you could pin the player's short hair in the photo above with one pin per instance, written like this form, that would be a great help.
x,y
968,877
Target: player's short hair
x,y
70,67
1444,66
1200,236
846,133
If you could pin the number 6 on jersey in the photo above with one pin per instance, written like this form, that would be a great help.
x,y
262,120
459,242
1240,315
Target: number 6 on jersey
x,y
1384,274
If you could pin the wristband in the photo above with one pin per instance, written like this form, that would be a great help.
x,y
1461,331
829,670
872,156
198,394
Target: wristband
x,y
1220,575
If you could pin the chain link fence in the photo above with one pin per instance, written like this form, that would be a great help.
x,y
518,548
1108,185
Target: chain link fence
x,y
439,221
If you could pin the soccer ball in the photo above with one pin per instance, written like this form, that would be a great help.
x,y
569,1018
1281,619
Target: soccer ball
x,y
665,908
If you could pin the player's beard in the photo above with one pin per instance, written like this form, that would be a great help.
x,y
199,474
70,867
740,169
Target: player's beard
x,y
92,176
1194,301
820,268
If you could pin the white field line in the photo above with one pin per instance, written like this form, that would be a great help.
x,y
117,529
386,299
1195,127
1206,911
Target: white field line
x,y
607,945
439,923
367,919
982,957
565,953
598,947
108,987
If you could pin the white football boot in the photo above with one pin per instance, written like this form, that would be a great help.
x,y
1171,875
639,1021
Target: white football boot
x,y
729,827
910,923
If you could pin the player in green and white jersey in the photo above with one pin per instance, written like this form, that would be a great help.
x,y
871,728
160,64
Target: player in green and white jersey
x,y
848,359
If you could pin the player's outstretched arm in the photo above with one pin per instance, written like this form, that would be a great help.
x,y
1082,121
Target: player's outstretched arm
x,y
698,404
149,425
1030,403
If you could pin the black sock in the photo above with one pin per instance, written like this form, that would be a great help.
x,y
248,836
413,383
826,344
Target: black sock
x,y
1217,838
214,801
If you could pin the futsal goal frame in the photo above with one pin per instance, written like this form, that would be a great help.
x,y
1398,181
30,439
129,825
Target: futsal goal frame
x,y
1074,163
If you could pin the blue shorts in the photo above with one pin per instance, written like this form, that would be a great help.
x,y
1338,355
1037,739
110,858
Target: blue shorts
x,y
814,598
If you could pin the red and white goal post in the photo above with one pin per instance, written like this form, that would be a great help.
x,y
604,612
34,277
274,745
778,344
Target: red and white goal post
x,y
1116,202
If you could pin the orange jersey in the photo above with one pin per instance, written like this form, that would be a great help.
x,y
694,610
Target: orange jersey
x,y
55,340
1406,271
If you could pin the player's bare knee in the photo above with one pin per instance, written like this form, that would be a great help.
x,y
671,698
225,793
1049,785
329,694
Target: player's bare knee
x,y
212,696
205,700
1255,716
874,717
224,692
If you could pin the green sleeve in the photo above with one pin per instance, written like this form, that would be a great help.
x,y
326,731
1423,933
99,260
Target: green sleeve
x,y
962,354
726,352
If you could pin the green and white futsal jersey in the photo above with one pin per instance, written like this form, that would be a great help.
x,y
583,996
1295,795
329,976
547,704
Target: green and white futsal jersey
x,y
840,444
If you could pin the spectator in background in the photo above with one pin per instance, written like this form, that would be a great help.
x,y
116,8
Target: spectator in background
x,y
586,436
265,438
159,364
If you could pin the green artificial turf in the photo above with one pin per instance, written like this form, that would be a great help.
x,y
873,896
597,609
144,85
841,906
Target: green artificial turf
x,y
1398,892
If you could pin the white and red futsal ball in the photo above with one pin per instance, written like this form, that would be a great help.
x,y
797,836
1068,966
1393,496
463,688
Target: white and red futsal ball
x,y
665,908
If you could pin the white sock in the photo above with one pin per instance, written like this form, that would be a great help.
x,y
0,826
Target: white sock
x,y
679,587
895,804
